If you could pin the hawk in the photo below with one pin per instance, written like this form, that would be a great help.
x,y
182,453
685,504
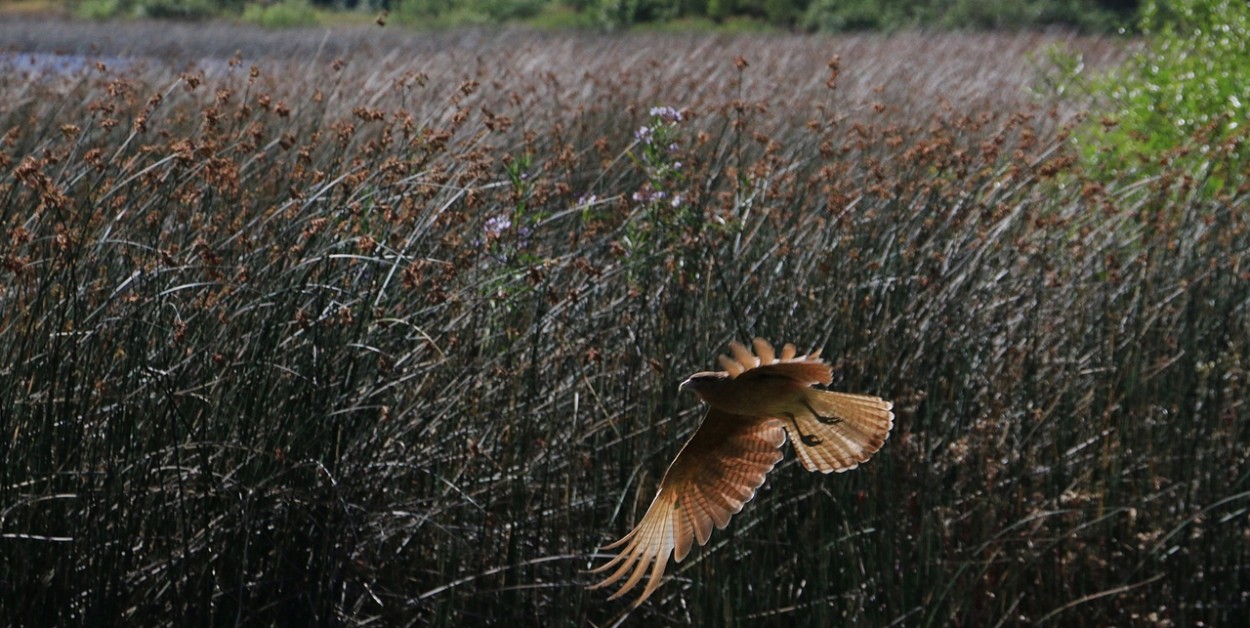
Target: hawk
x,y
757,402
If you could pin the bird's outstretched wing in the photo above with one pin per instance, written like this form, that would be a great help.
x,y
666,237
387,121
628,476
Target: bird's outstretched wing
x,y
717,471
840,430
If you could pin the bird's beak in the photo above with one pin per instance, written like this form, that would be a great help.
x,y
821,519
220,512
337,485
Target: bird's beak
x,y
686,385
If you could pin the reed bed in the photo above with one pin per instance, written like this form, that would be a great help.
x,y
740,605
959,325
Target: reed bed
x,y
387,329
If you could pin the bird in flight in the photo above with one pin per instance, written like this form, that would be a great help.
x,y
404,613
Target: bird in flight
x,y
758,401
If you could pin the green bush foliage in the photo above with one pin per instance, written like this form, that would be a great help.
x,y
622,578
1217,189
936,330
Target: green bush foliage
x,y
1183,101
157,9
101,9
449,12
282,14
178,9
853,15
857,15
410,10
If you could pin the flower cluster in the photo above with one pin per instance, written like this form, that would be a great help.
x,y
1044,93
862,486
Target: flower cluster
x,y
662,120
496,226
501,242
667,114
649,196
659,154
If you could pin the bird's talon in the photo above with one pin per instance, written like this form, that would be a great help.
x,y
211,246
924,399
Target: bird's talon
x,y
827,420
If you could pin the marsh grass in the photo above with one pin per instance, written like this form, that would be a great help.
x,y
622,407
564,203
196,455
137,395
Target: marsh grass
x,y
385,338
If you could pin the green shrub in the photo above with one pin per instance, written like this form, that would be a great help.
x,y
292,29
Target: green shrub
x,y
281,15
1183,99
159,9
618,13
179,9
461,12
409,10
854,15
102,9
976,14
560,16
505,10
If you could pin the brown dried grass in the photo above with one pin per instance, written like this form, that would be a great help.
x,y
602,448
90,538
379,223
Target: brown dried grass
x,y
268,359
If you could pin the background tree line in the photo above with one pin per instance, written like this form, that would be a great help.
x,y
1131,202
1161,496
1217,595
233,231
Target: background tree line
x,y
812,15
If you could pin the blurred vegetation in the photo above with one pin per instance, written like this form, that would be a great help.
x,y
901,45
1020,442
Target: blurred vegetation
x,y
826,15
286,13
842,15
380,329
157,9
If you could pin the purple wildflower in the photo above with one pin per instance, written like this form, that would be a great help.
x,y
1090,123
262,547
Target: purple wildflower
x,y
497,225
668,114
647,195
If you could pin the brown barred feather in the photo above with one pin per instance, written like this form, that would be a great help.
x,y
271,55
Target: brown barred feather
x,y
853,428
716,472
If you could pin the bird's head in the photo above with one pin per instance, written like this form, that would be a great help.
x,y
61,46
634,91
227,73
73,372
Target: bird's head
x,y
699,383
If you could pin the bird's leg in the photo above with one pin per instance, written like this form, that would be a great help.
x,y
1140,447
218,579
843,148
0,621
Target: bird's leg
x,y
808,439
827,420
